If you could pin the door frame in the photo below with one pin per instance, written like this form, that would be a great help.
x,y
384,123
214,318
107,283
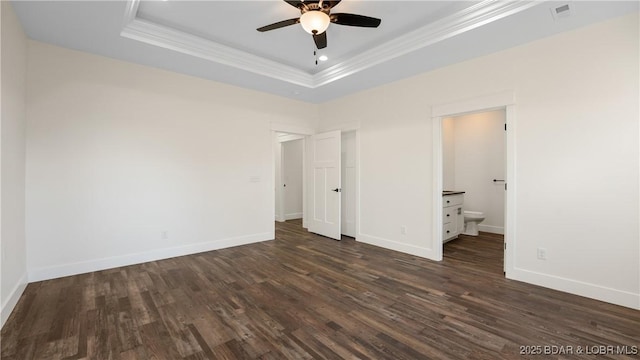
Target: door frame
x,y
343,128
280,194
504,100
307,132
356,185
293,130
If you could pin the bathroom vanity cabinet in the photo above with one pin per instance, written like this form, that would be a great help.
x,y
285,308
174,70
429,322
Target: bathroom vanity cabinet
x,y
452,214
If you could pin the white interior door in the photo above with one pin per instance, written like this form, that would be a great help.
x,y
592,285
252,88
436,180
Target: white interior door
x,y
325,186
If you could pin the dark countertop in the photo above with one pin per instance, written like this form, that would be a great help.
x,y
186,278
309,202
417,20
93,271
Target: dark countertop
x,y
450,192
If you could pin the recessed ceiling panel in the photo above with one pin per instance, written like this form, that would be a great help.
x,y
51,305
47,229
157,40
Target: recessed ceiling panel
x,y
234,24
217,40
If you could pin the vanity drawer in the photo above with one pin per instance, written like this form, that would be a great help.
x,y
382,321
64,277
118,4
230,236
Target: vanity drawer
x,y
449,230
451,200
448,214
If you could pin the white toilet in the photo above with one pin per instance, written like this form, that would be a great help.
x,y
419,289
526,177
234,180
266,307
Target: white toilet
x,y
471,221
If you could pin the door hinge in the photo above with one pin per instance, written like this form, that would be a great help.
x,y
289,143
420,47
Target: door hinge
x,y
505,186
505,127
505,246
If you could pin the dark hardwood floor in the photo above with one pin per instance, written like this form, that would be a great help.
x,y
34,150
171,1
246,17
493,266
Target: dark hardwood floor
x,y
307,297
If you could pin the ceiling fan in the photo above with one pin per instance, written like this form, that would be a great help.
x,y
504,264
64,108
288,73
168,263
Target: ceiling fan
x,y
316,17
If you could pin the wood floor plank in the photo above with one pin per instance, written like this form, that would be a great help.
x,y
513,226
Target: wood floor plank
x,y
303,296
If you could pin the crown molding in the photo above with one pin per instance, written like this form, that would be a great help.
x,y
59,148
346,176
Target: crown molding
x,y
171,39
460,22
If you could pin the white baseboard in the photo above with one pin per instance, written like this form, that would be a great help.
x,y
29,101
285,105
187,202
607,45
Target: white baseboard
x,y
293,216
491,229
279,219
397,246
12,299
82,267
613,296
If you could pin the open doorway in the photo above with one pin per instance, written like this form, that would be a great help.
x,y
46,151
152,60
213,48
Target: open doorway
x,y
289,169
473,178
474,162
504,101
294,176
289,154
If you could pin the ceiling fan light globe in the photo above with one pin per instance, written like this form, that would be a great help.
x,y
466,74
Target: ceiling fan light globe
x,y
315,22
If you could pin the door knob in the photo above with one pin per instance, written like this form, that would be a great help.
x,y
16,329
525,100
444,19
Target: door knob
x,y
337,190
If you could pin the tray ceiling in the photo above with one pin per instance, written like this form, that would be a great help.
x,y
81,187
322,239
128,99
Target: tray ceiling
x,y
217,40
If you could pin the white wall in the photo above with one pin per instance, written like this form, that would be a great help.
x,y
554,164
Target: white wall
x,y
577,160
448,154
474,147
128,163
278,188
292,153
13,278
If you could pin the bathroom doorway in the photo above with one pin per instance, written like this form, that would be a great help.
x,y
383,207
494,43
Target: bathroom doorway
x,y
504,102
473,162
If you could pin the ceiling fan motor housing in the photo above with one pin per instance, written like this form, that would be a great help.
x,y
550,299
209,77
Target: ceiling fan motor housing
x,y
315,21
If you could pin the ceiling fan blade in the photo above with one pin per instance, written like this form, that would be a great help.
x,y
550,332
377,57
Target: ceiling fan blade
x,y
332,4
279,24
296,4
320,40
355,20
326,5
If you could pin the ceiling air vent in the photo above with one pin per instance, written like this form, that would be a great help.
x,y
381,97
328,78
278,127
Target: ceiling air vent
x,y
561,12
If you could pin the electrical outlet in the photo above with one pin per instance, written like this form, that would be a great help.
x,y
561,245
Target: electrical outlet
x,y
164,235
542,254
403,230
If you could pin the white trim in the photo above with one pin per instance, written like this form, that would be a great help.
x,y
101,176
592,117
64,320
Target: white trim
x,y
455,24
397,246
304,181
358,187
182,42
130,12
614,296
458,23
82,267
510,210
343,127
289,137
491,229
278,158
438,170
293,216
483,103
292,129
12,300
